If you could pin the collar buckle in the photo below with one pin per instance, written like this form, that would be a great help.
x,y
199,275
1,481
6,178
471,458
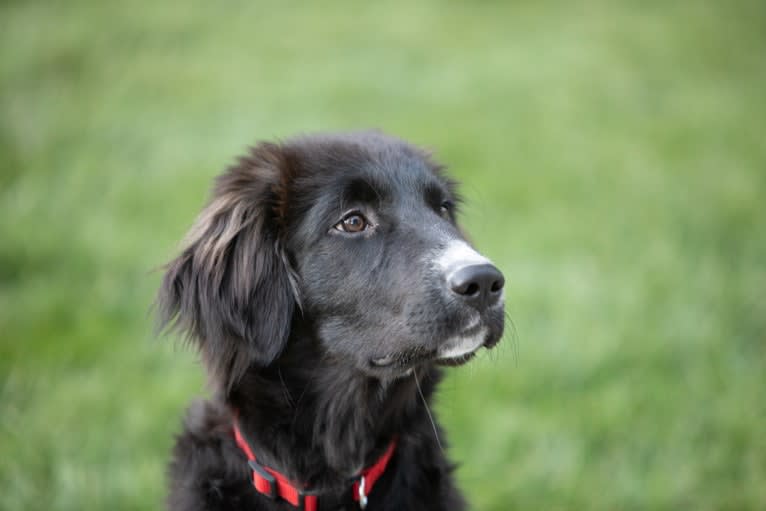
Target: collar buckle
x,y
361,492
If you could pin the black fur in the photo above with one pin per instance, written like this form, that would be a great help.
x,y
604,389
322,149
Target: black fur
x,y
293,317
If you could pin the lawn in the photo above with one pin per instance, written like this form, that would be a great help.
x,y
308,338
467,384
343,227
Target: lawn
x,y
613,158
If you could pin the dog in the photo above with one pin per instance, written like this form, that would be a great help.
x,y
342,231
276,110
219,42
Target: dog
x,y
325,285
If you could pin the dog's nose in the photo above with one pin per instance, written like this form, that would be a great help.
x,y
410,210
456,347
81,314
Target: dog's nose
x,y
479,285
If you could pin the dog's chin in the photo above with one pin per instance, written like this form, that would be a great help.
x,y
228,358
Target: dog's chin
x,y
454,352
456,361
400,364
391,367
461,348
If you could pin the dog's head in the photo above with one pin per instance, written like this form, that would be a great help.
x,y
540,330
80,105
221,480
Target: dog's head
x,y
357,234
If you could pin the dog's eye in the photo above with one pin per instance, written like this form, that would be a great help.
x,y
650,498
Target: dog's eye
x,y
445,209
353,222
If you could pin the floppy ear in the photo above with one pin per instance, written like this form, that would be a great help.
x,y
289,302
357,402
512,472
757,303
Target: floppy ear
x,y
231,291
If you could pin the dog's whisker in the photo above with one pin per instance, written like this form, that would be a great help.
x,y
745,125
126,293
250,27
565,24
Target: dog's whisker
x,y
428,411
288,396
296,408
515,343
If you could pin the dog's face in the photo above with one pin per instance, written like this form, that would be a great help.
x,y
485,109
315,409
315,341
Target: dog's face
x,y
360,231
385,274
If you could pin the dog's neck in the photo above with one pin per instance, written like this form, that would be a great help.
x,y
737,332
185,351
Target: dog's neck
x,y
320,422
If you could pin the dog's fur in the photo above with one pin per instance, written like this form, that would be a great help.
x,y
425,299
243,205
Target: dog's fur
x,y
325,342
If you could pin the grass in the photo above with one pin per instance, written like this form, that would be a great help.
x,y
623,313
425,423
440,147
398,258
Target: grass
x,y
613,158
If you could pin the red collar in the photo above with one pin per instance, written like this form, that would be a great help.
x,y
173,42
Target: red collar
x,y
273,484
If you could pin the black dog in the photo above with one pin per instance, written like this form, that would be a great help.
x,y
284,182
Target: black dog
x,y
324,284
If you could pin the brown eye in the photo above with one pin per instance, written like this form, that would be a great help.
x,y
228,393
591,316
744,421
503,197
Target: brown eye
x,y
445,209
352,223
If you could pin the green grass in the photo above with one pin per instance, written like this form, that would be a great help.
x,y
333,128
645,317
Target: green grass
x,y
613,155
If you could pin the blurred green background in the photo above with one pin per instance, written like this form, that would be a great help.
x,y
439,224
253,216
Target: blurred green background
x,y
613,156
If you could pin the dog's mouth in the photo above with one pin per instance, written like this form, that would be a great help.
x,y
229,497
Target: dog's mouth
x,y
456,361
396,361
454,352
461,349
403,359
386,361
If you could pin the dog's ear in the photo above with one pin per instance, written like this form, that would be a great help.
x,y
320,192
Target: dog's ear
x,y
231,290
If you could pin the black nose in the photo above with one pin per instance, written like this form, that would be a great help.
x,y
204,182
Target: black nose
x,y
479,285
